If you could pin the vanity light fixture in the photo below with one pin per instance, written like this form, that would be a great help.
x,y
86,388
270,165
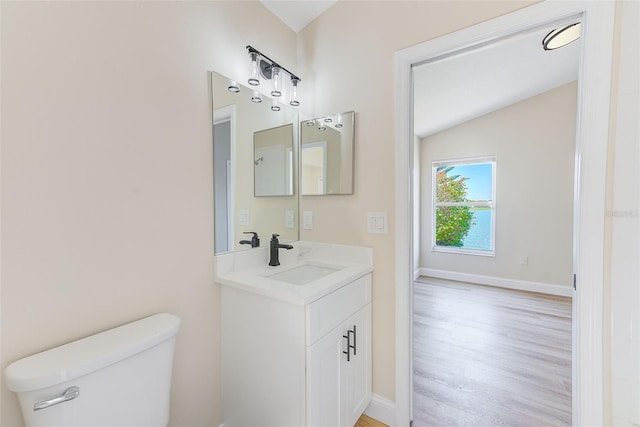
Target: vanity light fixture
x,y
233,86
338,124
562,36
264,67
330,121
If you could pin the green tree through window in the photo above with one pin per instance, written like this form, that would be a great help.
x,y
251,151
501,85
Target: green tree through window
x,y
452,222
464,206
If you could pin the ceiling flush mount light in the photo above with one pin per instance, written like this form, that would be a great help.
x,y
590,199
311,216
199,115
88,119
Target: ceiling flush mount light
x,y
562,36
266,68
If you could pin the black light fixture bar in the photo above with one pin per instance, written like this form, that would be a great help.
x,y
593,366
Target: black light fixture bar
x,y
272,63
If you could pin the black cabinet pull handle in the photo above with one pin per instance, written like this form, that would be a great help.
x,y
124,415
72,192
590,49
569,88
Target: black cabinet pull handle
x,y
349,345
355,341
348,352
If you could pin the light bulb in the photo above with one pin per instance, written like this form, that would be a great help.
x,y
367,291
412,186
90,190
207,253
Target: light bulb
x,y
294,92
338,121
254,80
274,105
277,81
256,97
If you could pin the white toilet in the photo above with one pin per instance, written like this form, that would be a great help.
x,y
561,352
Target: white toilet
x,y
120,377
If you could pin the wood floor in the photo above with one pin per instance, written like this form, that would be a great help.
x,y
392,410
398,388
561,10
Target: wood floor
x,y
365,421
487,356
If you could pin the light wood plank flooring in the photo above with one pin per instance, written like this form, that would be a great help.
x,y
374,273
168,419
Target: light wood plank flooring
x,y
487,356
365,421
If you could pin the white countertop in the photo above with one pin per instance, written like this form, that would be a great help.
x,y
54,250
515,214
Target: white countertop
x,y
248,270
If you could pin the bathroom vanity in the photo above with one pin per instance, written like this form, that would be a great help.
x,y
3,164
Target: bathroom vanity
x,y
296,339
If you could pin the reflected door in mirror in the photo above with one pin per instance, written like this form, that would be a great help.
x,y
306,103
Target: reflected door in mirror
x,y
327,155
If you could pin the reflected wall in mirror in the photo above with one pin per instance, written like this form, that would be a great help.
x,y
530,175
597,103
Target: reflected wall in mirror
x,y
237,211
327,145
273,164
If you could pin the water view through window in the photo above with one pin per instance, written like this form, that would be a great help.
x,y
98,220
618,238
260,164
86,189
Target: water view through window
x,y
464,206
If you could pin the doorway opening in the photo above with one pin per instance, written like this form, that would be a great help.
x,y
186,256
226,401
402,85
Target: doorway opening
x,y
496,209
590,170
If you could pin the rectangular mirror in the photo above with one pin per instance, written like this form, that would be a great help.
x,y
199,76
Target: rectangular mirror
x,y
273,164
244,131
327,155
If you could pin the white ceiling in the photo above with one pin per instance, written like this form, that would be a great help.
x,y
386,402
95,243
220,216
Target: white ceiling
x,y
462,87
297,14
468,85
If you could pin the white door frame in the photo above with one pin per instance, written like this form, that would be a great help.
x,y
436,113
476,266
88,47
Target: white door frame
x,y
221,115
594,87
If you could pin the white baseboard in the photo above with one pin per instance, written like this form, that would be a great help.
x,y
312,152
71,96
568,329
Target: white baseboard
x,y
382,410
521,285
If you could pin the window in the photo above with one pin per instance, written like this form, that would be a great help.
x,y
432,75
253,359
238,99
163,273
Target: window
x,y
464,206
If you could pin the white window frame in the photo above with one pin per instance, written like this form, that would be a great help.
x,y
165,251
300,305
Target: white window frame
x,y
492,205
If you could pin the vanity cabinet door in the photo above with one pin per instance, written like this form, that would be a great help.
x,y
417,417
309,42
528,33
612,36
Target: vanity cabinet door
x,y
357,371
324,380
339,385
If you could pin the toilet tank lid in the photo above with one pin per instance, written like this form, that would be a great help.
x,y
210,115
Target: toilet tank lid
x,y
81,357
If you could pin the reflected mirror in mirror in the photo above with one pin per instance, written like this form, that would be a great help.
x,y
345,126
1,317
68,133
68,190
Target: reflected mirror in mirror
x,y
273,164
327,154
239,125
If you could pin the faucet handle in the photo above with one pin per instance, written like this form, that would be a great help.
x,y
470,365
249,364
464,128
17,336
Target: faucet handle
x,y
255,240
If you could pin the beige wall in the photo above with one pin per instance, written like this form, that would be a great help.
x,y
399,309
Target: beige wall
x,y
348,60
107,206
534,145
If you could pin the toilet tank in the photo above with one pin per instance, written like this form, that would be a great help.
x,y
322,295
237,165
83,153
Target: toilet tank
x,y
119,377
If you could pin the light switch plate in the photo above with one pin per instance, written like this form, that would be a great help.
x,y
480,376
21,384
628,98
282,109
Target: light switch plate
x,y
243,217
377,222
289,219
307,220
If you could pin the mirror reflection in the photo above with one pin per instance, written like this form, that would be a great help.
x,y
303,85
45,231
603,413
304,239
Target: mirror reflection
x,y
243,131
327,149
273,164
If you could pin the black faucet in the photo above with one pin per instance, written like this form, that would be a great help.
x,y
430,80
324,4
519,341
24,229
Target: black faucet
x,y
254,242
274,245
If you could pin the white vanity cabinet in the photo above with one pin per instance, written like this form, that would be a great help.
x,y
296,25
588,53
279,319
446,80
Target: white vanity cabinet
x,y
286,364
339,384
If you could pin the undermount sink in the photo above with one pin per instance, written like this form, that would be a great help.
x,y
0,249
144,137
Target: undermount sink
x,y
304,274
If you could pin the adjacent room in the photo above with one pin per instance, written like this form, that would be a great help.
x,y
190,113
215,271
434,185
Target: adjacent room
x,y
495,180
